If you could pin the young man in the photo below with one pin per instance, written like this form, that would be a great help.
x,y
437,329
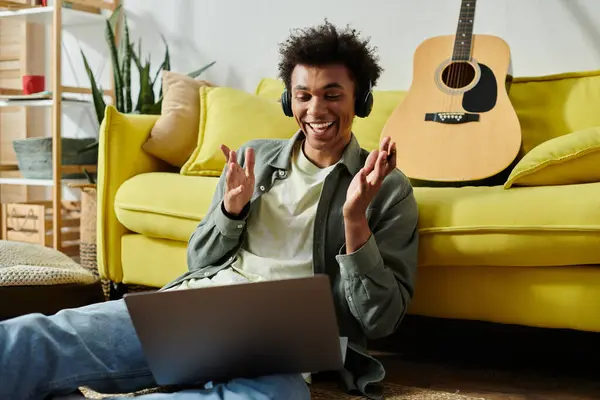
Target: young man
x,y
316,203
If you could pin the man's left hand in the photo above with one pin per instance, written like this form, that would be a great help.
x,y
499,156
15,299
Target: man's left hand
x,y
368,180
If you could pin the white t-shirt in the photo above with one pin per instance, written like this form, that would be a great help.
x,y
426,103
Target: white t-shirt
x,y
279,242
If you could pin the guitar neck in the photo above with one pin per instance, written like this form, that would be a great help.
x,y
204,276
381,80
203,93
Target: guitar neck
x,y
464,31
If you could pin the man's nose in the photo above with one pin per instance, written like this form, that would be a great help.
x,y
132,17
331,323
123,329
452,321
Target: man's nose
x,y
317,107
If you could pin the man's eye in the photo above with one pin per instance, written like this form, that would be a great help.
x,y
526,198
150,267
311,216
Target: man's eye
x,y
302,97
333,96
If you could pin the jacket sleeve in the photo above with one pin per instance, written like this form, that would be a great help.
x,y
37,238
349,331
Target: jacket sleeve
x,y
379,276
218,233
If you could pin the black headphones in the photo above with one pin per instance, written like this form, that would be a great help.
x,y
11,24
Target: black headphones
x,y
362,106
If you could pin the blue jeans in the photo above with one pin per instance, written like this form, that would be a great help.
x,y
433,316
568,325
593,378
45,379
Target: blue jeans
x,y
96,346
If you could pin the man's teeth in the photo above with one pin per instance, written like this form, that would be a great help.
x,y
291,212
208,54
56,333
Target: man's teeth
x,y
321,126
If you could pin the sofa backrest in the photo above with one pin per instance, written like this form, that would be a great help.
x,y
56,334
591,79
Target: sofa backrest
x,y
547,106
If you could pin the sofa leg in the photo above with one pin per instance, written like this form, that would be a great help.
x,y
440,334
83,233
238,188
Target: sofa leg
x,y
117,290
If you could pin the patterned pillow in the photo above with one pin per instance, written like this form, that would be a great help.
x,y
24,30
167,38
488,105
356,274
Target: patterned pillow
x,y
26,264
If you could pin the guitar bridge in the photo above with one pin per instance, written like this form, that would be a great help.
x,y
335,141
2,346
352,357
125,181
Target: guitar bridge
x,y
451,117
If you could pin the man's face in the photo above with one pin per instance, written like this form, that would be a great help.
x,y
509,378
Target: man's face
x,y
323,105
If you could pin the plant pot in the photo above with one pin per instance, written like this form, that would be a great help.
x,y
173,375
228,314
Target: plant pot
x,y
34,156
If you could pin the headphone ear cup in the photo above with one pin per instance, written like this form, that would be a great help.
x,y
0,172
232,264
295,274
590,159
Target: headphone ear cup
x,y
286,103
364,105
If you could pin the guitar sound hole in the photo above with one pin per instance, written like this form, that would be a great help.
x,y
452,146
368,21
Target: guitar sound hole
x,y
458,75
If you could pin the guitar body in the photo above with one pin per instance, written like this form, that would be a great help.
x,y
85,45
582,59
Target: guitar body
x,y
457,122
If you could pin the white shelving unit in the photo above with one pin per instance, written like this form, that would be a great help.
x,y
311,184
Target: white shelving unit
x,y
45,15
37,182
43,103
57,16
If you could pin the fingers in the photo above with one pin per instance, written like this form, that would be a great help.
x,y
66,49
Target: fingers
x,y
392,156
363,180
225,151
385,143
380,170
230,156
249,168
237,190
370,162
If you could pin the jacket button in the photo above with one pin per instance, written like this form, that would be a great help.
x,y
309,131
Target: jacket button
x,y
262,188
281,172
240,226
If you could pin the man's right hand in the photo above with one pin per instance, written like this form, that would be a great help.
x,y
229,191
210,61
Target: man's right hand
x,y
239,182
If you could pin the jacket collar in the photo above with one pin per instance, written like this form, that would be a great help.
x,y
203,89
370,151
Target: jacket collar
x,y
351,158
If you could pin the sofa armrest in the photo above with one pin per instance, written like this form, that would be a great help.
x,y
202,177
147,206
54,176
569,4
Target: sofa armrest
x,y
120,157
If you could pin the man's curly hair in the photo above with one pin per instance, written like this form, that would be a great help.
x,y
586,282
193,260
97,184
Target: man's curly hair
x,y
325,44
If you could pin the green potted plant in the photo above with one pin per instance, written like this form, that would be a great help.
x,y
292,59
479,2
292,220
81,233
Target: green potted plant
x,y
121,60
34,155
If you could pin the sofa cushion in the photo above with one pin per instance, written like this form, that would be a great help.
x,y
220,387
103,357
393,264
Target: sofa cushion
x,y
175,133
164,205
523,226
567,159
555,105
486,226
233,117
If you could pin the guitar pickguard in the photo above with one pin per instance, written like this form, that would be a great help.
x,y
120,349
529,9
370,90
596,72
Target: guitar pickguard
x,y
483,96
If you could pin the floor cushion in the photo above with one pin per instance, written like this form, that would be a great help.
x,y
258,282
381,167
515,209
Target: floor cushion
x,y
34,278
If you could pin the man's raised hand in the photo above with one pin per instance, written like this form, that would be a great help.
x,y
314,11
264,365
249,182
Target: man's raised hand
x,y
368,180
239,182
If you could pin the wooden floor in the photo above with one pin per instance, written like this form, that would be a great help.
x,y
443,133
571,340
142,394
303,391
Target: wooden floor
x,y
493,362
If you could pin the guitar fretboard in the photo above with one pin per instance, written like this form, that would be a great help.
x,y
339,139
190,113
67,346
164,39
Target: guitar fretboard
x,y
464,31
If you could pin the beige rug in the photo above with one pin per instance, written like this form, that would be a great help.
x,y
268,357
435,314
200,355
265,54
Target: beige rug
x,y
392,391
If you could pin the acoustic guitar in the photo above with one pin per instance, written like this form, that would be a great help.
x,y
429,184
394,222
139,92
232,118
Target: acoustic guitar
x,y
457,123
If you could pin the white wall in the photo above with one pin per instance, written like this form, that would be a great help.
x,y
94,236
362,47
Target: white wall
x,y
545,36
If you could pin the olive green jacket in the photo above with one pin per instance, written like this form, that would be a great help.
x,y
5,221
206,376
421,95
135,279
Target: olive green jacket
x,y
372,287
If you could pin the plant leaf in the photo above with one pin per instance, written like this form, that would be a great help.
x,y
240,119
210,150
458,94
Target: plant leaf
x,y
126,70
114,17
135,57
165,66
88,176
97,95
198,72
154,109
146,95
110,38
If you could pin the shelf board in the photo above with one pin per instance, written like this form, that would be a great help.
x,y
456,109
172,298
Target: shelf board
x,y
39,182
43,103
43,15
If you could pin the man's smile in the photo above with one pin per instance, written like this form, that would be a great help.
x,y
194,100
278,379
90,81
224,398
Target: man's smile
x,y
320,127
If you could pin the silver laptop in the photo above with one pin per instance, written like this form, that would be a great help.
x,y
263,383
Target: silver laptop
x,y
243,330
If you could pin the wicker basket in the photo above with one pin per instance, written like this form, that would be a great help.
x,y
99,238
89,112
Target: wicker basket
x,y
34,156
87,244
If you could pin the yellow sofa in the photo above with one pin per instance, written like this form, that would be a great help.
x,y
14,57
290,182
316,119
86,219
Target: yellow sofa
x,y
526,255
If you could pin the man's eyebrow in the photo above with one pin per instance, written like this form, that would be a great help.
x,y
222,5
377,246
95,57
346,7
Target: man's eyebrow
x,y
333,85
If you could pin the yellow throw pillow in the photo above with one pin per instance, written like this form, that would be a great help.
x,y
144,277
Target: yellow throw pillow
x,y
555,105
175,133
233,117
270,88
569,159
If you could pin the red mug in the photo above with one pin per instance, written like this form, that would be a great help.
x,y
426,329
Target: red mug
x,y
34,84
